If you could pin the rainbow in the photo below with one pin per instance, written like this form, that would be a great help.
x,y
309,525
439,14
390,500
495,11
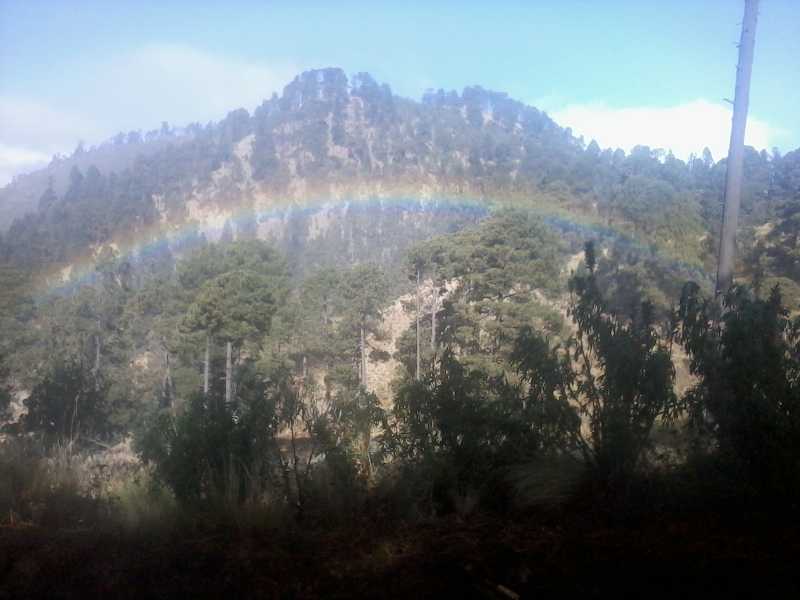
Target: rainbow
x,y
270,216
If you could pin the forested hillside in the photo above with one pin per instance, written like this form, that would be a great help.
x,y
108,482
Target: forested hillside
x,y
336,173
351,305
299,161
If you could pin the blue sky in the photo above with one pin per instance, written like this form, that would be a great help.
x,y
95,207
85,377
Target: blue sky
x,y
624,71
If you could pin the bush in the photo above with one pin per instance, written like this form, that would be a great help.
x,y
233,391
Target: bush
x,y
44,486
68,403
747,357
141,503
596,397
279,446
210,451
455,431
602,392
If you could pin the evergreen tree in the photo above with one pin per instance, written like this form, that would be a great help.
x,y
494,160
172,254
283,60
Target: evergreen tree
x,y
363,295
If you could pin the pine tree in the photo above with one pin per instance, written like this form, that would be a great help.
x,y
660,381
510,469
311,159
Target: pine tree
x,y
364,292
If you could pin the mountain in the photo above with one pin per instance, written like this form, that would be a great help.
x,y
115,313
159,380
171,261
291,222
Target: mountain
x,y
22,195
329,141
344,237
338,170
353,312
327,130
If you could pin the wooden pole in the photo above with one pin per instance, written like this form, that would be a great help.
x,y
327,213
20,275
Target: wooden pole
x,y
733,178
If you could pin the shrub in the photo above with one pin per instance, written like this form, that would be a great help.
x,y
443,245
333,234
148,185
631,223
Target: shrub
x,y
43,485
746,354
455,430
210,451
601,393
279,445
67,403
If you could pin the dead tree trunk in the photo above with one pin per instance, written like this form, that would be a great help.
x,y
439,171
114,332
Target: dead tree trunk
x,y
206,365
228,372
363,345
434,310
167,395
96,367
418,332
733,177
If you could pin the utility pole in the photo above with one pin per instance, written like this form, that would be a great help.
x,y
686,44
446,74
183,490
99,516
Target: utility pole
x,y
733,178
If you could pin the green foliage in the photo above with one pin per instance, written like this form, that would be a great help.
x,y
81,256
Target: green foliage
x,y
511,249
208,454
282,444
635,385
456,429
233,307
234,289
774,257
69,403
747,358
362,295
232,295
616,373
500,382
627,274
658,212
500,273
363,292
43,486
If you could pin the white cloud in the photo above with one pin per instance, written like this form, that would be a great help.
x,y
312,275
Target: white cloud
x,y
15,160
32,132
20,156
181,84
684,128
41,128
137,90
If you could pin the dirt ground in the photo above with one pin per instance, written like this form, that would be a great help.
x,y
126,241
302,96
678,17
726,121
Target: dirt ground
x,y
526,556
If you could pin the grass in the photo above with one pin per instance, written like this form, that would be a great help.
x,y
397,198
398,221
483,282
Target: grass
x,y
72,533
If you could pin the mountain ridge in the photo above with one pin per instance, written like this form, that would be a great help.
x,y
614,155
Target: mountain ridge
x,y
324,95
329,141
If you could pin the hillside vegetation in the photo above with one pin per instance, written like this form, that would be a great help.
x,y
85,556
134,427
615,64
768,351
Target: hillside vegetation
x,y
436,320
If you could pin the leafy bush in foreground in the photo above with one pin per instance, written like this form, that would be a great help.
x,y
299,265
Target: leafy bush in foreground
x,y
747,399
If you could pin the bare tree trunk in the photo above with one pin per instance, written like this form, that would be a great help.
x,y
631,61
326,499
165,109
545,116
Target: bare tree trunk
x,y
327,381
733,178
228,372
363,356
96,368
72,431
167,396
418,332
284,463
206,365
296,469
96,354
434,310
367,457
